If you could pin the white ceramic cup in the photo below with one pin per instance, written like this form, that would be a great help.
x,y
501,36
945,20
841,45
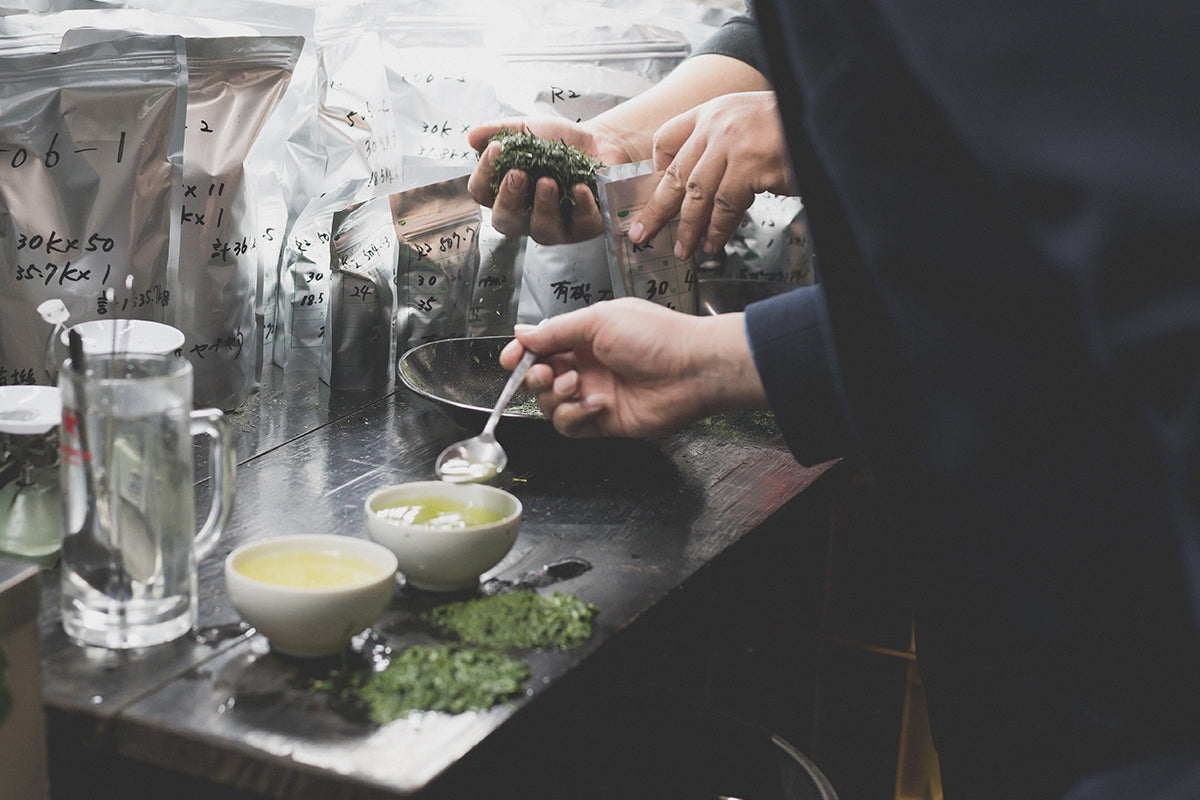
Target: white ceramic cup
x,y
311,621
438,558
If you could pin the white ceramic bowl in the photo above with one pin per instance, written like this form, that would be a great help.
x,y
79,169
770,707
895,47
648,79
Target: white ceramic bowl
x,y
310,621
29,409
440,558
127,336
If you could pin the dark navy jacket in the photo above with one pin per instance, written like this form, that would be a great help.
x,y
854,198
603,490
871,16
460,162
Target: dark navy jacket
x,y
1004,197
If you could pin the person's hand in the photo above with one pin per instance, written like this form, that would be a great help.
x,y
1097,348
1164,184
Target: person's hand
x,y
544,224
717,157
633,368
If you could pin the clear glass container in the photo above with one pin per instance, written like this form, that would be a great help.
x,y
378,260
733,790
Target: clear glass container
x,y
30,499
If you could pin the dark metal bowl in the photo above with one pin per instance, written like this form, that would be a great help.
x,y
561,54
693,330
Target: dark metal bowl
x,y
465,378
722,295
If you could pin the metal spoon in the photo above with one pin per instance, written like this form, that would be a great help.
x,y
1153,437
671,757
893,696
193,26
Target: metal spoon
x,y
481,457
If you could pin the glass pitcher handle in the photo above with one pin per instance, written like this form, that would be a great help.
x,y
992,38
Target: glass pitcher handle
x,y
223,457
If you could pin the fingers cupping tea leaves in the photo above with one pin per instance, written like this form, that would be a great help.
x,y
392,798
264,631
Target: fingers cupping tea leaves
x,y
537,157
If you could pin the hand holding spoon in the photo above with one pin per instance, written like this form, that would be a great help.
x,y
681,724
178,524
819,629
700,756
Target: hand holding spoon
x,y
481,457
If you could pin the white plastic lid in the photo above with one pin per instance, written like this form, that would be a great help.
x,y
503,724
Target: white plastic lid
x,y
128,336
29,410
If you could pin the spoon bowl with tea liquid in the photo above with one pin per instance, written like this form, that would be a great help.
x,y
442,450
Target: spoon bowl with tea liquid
x,y
481,457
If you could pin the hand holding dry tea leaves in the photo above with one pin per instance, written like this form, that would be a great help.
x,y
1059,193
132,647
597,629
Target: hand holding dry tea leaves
x,y
537,158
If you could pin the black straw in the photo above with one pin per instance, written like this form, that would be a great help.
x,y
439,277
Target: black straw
x,y
75,349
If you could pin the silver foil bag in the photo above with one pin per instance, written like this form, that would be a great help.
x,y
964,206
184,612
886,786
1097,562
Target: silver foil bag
x,y
650,271
438,229
53,26
233,85
360,139
302,291
360,346
497,292
441,71
772,243
293,151
91,145
356,136
562,277
272,214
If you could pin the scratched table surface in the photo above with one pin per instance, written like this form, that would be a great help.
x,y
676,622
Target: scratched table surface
x,y
627,522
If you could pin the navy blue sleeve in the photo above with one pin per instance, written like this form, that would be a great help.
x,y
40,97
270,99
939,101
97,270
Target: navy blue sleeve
x,y
738,38
1174,775
793,353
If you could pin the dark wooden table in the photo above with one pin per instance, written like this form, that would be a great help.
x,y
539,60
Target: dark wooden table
x,y
217,714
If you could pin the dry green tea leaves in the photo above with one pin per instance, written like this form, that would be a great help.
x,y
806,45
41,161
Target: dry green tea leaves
x,y
517,619
537,157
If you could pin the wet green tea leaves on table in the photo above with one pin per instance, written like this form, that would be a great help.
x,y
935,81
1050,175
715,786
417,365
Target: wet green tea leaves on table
x,y
471,675
517,619
432,678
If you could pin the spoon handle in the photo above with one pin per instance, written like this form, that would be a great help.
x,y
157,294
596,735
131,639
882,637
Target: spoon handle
x,y
510,388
